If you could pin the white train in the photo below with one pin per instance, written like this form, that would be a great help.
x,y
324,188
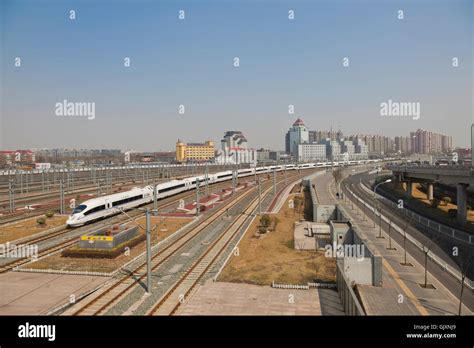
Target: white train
x,y
104,206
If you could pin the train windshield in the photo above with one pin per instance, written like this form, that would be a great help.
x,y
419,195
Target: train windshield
x,y
79,209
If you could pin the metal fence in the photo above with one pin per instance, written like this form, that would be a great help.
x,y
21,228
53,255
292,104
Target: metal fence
x,y
454,272
432,225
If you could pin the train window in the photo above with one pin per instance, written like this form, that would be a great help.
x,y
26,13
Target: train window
x,y
95,210
171,188
127,200
79,208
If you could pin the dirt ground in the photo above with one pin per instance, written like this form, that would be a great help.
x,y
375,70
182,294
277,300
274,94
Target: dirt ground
x,y
166,227
441,211
28,227
271,257
417,193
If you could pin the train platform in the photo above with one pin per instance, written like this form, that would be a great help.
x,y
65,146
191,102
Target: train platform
x,y
23,293
222,298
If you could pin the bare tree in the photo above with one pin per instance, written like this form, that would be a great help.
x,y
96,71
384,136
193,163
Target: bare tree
x,y
390,236
337,175
426,248
405,227
466,259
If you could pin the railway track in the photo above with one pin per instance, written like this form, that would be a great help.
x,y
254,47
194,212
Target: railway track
x,y
178,293
117,219
18,216
115,291
41,197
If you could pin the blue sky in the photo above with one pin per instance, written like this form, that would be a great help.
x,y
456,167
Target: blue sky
x,y
190,62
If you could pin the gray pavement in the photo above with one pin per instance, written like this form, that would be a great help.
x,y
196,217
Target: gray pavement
x,y
406,280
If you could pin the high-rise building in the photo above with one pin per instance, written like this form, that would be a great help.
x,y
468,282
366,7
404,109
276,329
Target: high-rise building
x,y
235,150
313,137
333,149
311,152
428,142
287,143
347,146
297,134
403,145
263,155
234,139
194,151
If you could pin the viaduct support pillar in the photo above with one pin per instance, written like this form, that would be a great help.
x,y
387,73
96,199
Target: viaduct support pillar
x,y
397,183
461,203
430,191
409,188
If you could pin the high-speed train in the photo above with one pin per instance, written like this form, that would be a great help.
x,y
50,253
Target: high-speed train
x,y
104,206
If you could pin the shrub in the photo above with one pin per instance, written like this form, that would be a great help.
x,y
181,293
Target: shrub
x,y
41,221
49,214
453,212
298,202
265,221
446,200
262,229
275,222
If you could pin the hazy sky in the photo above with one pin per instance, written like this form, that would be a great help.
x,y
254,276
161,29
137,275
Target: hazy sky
x,y
190,62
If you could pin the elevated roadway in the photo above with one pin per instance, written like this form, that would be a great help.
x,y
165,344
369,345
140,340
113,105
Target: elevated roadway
x,y
461,176
440,245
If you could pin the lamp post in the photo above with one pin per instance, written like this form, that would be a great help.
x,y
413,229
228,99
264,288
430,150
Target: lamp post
x,y
377,202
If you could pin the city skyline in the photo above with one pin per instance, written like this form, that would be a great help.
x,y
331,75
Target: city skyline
x,y
188,62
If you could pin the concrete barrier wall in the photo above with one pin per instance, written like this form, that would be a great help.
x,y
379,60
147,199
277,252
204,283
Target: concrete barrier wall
x,y
454,272
369,253
321,213
349,300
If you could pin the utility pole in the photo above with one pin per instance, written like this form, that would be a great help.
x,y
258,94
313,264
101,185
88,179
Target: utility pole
x,y
72,181
155,200
274,182
259,197
197,197
237,176
148,251
21,182
61,197
11,195
207,179
233,182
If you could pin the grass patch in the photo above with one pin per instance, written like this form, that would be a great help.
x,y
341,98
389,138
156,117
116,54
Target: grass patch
x,y
272,257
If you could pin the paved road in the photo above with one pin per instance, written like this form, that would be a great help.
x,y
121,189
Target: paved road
x,y
442,248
